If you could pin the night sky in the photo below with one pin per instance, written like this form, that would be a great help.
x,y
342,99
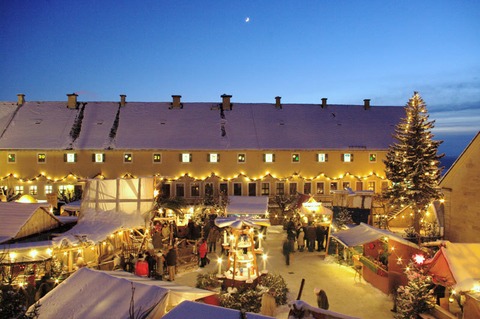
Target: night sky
x,y
303,51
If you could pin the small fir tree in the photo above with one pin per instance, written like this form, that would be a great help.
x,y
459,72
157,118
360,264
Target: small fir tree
x,y
412,163
417,296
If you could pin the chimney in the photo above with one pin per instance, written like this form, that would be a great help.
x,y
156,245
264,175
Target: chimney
x,y
21,99
123,101
324,103
226,105
72,101
366,104
278,104
176,104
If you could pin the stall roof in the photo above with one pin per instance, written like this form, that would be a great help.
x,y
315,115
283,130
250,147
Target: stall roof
x,y
456,265
95,226
204,311
15,216
23,252
247,205
364,233
112,296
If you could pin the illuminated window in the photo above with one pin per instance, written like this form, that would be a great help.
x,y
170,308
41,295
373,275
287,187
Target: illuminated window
x,y
157,158
19,190
63,189
241,158
185,157
372,157
320,188
280,189
265,189
347,157
307,188
269,158
213,158
322,157
292,188
11,158
194,190
70,157
345,185
33,190
48,189
98,157
237,189
180,190
127,157
371,186
41,158
295,158
333,187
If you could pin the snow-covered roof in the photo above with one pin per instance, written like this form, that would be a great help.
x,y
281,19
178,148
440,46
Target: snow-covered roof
x,y
95,226
456,265
247,205
26,252
363,234
197,126
14,216
203,311
95,294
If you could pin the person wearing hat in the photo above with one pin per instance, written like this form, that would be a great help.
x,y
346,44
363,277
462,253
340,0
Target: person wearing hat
x,y
322,300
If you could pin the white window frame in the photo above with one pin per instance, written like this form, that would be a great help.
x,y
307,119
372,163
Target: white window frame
x,y
33,190
347,157
48,189
186,157
99,157
322,157
19,189
71,158
269,157
214,157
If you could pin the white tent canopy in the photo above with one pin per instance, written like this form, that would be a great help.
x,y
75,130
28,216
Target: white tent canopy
x,y
95,294
363,234
189,309
131,196
247,205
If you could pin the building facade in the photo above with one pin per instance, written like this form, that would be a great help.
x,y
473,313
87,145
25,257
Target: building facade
x,y
246,149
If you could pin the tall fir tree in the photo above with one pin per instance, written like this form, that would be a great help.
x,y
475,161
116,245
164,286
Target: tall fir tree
x,y
412,162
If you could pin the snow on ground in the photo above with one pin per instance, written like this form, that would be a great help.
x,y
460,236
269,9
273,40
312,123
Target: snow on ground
x,y
345,295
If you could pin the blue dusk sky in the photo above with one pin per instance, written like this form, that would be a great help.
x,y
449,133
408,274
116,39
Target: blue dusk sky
x,y
303,51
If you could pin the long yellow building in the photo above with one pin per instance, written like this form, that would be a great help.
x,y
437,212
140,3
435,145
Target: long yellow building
x,y
248,149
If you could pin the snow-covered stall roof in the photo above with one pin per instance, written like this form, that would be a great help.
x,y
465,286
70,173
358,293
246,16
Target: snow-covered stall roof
x,y
96,226
91,293
247,205
203,311
26,252
300,305
246,126
363,234
24,219
456,265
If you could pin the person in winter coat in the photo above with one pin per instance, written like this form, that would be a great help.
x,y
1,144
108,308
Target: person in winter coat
x,y
322,300
311,235
301,240
269,304
202,252
320,231
141,266
171,261
287,249
212,239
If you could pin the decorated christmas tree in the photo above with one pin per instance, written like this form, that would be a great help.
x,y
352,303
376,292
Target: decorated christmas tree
x,y
412,162
417,296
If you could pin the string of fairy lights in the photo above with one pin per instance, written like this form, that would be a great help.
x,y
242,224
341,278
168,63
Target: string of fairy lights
x,y
199,178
